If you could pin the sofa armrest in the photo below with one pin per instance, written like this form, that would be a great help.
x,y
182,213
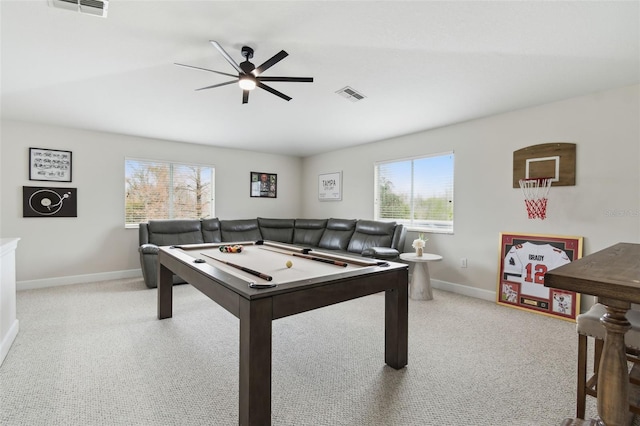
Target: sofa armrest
x,y
399,236
143,233
385,253
149,264
148,249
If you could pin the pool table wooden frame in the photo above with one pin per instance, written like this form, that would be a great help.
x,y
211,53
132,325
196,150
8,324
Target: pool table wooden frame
x,y
257,308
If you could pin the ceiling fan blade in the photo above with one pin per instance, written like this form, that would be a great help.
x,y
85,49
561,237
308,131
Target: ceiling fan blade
x,y
205,69
274,91
270,62
245,96
229,59
288,79
218,85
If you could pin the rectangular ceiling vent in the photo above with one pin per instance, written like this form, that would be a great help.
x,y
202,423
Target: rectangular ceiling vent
x,y
351,94
88,7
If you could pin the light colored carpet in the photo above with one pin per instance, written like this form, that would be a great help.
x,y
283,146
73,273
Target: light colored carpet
x,y
95,354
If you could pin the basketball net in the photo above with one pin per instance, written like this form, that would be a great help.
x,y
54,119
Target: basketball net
x,y
535,191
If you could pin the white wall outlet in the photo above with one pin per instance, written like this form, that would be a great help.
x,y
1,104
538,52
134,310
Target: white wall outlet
x,y
463,262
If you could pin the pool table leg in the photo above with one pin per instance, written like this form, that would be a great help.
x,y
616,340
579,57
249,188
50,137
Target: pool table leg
x,y
255,361
396,325
165,292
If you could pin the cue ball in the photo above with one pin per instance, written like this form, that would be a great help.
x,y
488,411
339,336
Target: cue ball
x,y
289,264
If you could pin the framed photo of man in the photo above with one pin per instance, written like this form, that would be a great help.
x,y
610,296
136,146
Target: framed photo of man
x,y
264,185
524,260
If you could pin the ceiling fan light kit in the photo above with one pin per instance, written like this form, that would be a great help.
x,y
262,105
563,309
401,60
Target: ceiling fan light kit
x,y
247,82
249,76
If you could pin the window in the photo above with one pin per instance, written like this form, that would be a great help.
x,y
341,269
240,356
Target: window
x,y
417,192
163,190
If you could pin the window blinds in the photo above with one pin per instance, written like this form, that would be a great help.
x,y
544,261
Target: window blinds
x,y
416,191
163,190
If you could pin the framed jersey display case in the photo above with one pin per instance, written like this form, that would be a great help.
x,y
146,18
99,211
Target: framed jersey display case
x,y
524,260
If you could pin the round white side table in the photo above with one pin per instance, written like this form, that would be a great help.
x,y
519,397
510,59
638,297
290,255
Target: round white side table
x,y
420,282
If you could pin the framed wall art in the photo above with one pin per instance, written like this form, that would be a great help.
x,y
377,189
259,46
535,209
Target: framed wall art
x,y
524,260
49,165
49,202
264,185
330,186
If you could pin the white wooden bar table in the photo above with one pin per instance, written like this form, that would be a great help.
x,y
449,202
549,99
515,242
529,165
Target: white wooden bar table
x,y
420,282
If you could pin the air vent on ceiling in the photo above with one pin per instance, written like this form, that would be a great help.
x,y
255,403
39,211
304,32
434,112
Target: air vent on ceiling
x,y
88,7
351,94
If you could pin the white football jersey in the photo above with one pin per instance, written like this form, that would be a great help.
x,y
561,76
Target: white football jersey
x,y
528,263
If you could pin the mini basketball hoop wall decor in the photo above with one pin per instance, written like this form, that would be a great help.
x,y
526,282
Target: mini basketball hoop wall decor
x,y
538,167
535,191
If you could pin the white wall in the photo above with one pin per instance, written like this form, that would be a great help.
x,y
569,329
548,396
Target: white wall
x,y
603,206
96,242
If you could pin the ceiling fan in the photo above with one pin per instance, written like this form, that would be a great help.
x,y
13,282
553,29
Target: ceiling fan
x,y
249,76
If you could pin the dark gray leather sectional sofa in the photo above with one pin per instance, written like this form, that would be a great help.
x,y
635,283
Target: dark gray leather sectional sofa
x,y
368,238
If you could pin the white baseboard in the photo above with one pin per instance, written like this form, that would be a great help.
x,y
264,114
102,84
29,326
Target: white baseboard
x,y
77,279
6,343
464,290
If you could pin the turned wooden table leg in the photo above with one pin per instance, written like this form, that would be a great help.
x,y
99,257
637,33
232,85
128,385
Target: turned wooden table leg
x,y
613,376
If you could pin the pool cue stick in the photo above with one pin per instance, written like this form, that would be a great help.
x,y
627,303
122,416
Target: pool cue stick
x,y
242,268
358,262
208,245
194,246
283,246
306,256
310,251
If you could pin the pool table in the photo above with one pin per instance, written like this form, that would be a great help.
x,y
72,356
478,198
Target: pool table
x,y
257,286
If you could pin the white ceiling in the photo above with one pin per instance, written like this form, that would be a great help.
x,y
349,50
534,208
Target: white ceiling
x,y
420,65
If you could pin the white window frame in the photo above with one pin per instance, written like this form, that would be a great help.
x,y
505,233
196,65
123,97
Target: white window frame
x,y
171,165
432,226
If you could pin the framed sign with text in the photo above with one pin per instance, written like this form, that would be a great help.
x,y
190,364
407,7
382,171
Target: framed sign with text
x,y
49,165
523,261
330,186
